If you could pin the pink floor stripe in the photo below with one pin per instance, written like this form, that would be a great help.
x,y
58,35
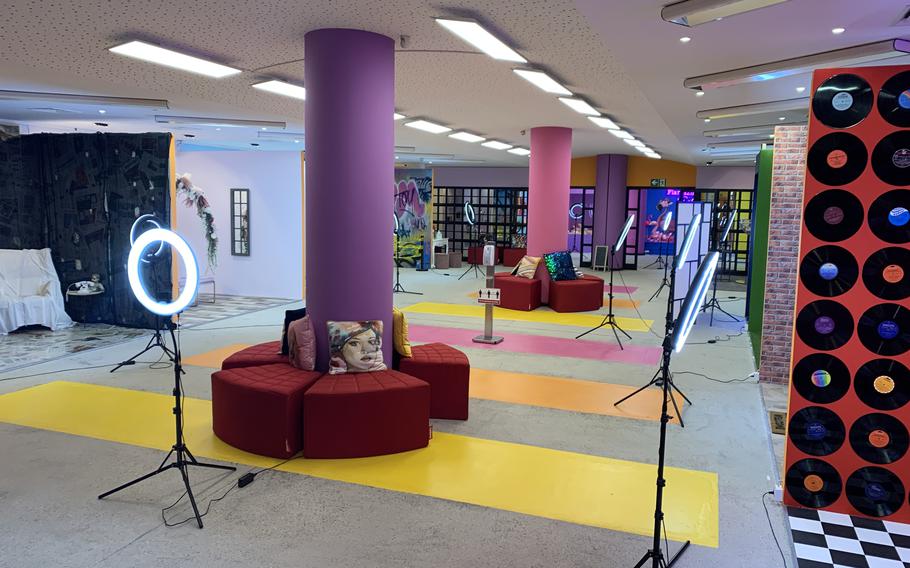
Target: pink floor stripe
x,y
621,289
540,344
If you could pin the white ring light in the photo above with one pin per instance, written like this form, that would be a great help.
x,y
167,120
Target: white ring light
x,y
189,260
469,215
151,219
576,215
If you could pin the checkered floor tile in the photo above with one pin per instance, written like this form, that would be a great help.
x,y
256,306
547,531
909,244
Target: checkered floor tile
x,y
824,540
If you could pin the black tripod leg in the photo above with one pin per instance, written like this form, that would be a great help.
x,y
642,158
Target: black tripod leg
x,y
194,461
678,554
621,330
137,480
189,493
628,396
595,328
648,555
613,327
676,408
681,393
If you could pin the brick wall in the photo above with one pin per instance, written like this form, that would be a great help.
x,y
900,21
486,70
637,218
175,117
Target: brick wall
x,y
787,179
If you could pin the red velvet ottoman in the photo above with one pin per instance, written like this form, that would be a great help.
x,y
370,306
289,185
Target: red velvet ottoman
x,y
517,293
258,409
263,354
448,373
581,295
357,415
512,256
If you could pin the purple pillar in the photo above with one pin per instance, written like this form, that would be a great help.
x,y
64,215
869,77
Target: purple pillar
x,y
610,200
350,170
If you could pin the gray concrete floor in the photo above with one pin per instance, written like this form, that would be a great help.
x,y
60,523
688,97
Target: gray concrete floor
x,y
48,481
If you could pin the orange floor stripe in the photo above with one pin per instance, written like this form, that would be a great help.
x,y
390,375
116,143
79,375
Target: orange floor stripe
x,y
214,357
567,394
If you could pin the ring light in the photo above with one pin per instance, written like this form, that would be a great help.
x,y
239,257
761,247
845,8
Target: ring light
x,y
149,219
469,213
573,214
189,260
694,299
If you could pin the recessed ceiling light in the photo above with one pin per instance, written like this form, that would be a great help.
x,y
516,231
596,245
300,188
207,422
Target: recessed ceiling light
x,y
397,116
101,111
428,126
542,81
685,39
622,134
580,106
707,120
265,128
838,31
282,88
520,151
296,141
396,157
218,129
800,89
603,122
173,59
467,137
782,118
497,145
476,35
699,93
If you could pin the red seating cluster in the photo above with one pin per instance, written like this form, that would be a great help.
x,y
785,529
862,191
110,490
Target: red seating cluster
x,y
582,295
263,405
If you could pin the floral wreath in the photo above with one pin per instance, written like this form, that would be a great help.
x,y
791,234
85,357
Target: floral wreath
x,y
195,197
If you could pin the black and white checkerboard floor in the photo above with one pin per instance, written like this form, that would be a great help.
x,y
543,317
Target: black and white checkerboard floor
x,y
824,540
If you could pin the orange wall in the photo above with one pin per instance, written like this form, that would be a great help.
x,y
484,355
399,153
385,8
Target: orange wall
x,y
642,170
584,172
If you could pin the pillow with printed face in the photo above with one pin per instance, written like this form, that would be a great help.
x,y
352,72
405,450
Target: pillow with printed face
x,y
559,265
355,346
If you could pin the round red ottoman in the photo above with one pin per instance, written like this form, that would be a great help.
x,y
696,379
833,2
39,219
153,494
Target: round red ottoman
x,y
258,409
358,415
263,354
448,373
581,295
516,292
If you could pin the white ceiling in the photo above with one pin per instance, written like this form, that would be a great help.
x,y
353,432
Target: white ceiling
x,y
618,54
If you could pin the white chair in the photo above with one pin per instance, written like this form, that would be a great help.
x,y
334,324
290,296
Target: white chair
x,y
30,292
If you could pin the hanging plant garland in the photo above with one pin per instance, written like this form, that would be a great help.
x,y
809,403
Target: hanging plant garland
x,y
195,197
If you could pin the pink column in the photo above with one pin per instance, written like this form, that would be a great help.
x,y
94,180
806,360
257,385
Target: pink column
x,y
548,194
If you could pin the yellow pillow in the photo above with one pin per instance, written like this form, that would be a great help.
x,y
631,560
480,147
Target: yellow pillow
x,y
527,267
400,333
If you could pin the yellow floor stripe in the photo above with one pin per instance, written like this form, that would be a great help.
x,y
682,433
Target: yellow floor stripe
x,y
577,488
539,315
215,357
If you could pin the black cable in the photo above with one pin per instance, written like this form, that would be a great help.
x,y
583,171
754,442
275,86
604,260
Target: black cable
x,y
717,339
743,380
55,371
771,526
635,307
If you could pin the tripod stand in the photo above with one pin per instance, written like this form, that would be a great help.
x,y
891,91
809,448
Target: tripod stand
x,y
398,287
666,263
713,303
655,553
471,267
609,319
184,458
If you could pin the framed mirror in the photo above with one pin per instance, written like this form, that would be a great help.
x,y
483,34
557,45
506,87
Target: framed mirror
x,y
240,222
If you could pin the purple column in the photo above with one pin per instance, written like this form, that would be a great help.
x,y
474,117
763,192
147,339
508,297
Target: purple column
x,y
610,200
350,170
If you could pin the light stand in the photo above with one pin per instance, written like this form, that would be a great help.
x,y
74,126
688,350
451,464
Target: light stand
x,y
398,288
471,219
666,264
471,267
713,303
610,318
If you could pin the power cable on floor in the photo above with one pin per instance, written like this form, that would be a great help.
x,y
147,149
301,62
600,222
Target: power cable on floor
x,y
744,380
75,369
771,526
635,307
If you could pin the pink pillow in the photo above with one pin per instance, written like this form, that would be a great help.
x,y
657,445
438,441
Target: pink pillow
x,y
302,344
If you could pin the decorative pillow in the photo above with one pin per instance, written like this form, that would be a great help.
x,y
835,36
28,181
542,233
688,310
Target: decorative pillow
x,y
400,333
355,346
559,265
302,344
579,275
289,316
527,267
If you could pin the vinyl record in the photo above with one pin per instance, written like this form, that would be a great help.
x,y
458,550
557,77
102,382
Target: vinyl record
x,y
875,491
834,215
891,158
883,384
879,438
843,101
816,431
828,271
837,158
824,325
894,100
886,273
813,483
821,378
885,329
889,216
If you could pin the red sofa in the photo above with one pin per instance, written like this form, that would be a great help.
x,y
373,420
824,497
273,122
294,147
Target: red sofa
x,y
365,414
263,354
517,293
512,256
448,373
582,295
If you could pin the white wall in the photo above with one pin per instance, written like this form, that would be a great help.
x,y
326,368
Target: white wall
x,y
275,265
725,177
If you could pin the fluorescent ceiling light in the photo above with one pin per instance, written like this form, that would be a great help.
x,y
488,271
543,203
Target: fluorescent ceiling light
x,y
397,116
738,144
634,142
214,121
428,126
758,130
644,149
654,156
695,12
173,59
622,134
476,35
295,136
282,88
775,70
467,137
603,122
580,106
81,99
497,145
756,108
542,81
520,151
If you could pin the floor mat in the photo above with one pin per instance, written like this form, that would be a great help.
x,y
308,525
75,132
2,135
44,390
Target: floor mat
x,y
827,540
539,315
577,488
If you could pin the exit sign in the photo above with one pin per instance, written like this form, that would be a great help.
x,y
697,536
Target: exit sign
x,y
658,182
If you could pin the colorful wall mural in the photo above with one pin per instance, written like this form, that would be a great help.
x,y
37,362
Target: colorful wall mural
x,y
413,206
